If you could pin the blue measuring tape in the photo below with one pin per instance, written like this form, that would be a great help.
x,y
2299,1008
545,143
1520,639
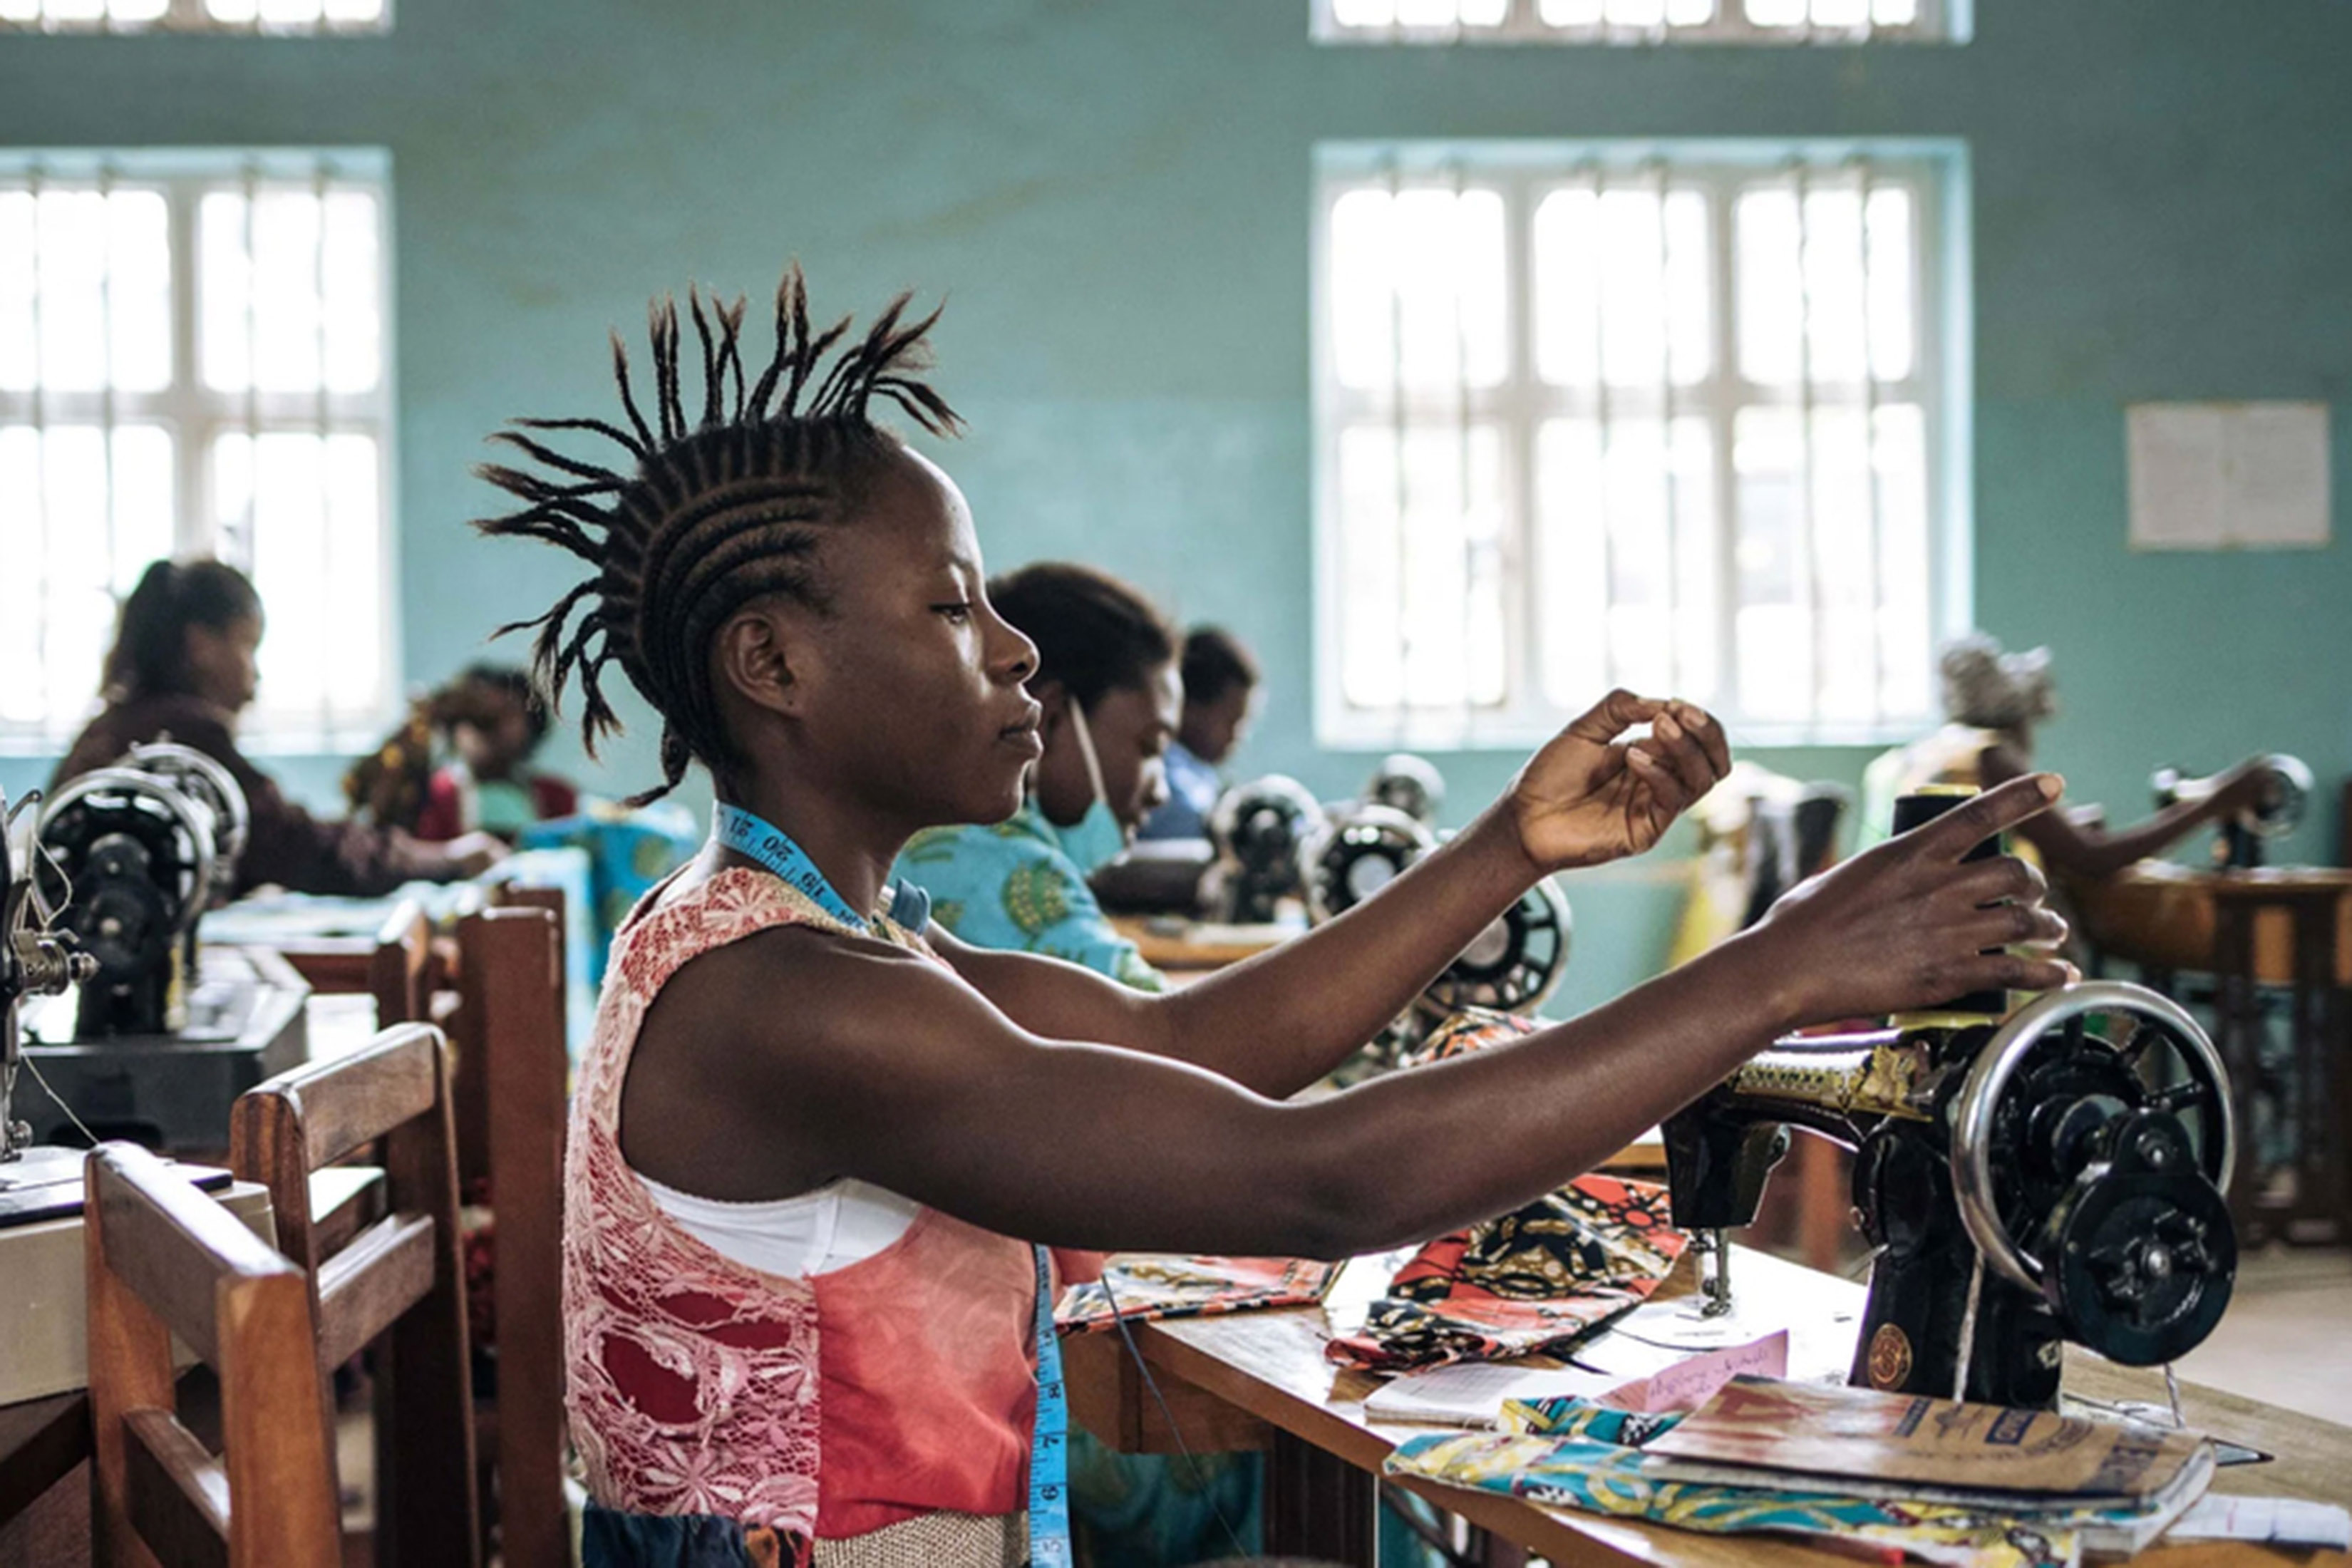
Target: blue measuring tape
x,y
748,834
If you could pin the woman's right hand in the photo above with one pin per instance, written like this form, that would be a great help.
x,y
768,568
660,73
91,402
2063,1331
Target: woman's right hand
x,y
1906,924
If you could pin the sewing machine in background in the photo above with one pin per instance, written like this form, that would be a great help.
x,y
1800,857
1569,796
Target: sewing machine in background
x,y
149,1047
2238,843
2056,1174
1512,966
35,1181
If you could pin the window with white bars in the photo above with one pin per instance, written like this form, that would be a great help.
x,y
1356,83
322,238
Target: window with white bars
x,y
1638,21
268,17
194,359
1677,425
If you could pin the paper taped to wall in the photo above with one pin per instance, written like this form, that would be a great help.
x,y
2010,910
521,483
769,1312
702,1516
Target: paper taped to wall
x,y
2218,475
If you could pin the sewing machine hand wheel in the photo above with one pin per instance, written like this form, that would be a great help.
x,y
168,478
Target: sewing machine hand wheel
x,y
2140,1243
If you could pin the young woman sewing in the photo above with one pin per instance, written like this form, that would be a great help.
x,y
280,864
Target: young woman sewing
x,y
805,1133
184,666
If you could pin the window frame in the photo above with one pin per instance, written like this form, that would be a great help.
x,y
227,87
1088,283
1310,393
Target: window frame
x,y
1938,22
197,417
1524,173
191,18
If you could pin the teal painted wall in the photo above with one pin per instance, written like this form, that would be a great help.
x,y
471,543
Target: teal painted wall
x,y
1114,194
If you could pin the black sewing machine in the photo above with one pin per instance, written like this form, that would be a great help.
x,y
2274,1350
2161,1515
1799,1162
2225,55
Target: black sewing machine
x,y
145,1047
1260,831
2239,841
2023,1182
36,1183
1512,966
2057,1175
1407,783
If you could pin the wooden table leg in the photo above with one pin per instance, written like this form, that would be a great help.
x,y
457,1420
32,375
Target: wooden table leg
x,y
2238,1012
1318,1505
2322,1110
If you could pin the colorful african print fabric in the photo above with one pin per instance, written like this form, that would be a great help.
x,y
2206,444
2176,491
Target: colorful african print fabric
x,y
1144,1286
1518,1285
1012,885
1528,1280
1582,1456
1601,1477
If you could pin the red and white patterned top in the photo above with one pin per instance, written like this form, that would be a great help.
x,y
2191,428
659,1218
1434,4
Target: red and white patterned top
x,y
827,1406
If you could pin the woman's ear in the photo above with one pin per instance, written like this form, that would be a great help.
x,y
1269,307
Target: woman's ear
x,y
755,655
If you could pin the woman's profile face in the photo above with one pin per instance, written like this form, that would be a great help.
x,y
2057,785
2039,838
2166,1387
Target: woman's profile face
x,y
1131,727
915,706
223,667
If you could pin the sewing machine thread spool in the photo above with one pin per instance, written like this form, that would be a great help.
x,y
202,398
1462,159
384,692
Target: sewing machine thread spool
x,y
1917,809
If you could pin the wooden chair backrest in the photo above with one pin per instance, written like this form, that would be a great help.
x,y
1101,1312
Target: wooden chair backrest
x,y
163,1258
398,1283
514,1064
401,975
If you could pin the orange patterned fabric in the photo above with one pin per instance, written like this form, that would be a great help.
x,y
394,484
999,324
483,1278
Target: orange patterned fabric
x,y
1529,1280
700,1386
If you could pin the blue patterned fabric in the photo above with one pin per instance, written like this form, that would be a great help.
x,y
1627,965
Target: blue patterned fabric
x,y
1012,886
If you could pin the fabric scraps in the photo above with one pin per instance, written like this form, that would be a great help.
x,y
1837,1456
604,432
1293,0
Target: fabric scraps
x,y
1540,1275
1144,1286
1567,1417
1469,1029
1597,1477
1514,1286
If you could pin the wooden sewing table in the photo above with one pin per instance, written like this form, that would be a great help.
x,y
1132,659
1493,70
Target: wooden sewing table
x,y
2282,928
1259,1380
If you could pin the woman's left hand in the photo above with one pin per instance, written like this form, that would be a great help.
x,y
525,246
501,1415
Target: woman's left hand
x,y
1590,796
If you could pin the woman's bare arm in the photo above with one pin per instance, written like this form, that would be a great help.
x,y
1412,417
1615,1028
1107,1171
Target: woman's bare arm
x,y
886,1069
1282,1019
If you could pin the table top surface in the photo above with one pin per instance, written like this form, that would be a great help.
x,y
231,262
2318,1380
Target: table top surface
x,y
1272,1365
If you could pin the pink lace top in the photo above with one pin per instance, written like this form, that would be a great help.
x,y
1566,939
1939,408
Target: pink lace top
x,y
827,1406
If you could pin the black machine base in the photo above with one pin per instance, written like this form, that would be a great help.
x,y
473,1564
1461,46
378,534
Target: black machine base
x,y
172,1092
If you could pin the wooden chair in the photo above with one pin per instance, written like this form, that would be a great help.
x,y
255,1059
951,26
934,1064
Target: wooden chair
x,y
401,973
505,1015
164,1259
397,1283
509,1029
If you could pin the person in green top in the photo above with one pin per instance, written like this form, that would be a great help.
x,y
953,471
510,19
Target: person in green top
x,y
1108,683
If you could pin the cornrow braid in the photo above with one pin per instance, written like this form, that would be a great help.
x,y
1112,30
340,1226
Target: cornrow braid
x,y
711,516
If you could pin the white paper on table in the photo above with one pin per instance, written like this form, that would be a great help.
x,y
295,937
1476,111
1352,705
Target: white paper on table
x,y
2287,1522
1691,1382
2211,476
1471,1394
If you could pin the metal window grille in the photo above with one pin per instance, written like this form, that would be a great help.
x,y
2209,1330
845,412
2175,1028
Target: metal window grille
x,y
1585,419
194,359
265,17
1638,22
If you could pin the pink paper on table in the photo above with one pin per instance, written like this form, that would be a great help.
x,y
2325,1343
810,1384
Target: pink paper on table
x,y
1687,1385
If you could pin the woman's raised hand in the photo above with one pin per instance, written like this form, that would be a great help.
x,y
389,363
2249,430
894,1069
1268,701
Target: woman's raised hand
x,y
1591,795
1907,924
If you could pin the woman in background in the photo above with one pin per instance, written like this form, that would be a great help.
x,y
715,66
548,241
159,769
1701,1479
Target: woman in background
x,y
1995,703
1220,682
182,668
495,729
1107,682
1106,679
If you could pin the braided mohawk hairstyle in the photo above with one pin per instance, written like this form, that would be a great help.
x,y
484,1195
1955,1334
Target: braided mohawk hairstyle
x,y
716,513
